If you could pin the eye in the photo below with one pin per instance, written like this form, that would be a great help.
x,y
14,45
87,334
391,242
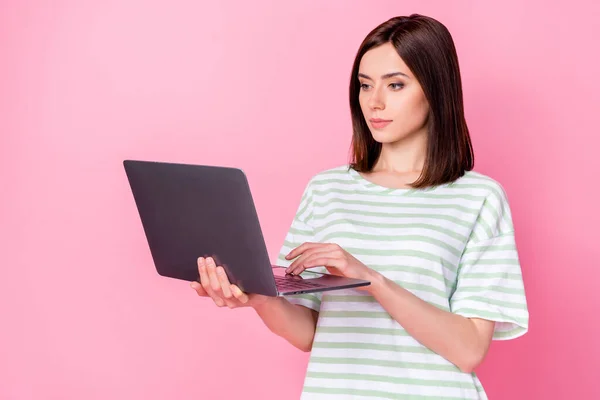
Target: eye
x,y
364,86
396,86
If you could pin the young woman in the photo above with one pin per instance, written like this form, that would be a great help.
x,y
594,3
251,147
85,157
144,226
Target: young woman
x,y
408,214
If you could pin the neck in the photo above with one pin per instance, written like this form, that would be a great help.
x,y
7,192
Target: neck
x,y
406,155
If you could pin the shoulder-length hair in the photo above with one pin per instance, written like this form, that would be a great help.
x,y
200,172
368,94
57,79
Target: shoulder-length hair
x,y
426,47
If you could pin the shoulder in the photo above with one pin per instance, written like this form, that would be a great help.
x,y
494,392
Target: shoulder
x,y
490,199
331,175
481,185
325,180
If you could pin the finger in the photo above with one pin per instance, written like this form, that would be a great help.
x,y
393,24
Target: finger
x,y
205,282
199,289
224,281
326,258
215,285
330,256
301,265
312,248
338,264
325,262
231,303
301,249
238,294
297,262
200,262
307,253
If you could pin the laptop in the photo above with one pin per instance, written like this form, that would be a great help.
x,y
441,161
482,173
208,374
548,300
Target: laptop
x,y
189,211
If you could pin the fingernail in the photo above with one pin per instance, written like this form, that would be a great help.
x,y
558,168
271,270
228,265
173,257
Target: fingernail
x,y
194,285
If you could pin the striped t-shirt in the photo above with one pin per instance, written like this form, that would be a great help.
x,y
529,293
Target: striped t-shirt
x,y
452,245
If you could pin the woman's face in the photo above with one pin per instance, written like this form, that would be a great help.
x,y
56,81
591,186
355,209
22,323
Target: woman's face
x,y
390,97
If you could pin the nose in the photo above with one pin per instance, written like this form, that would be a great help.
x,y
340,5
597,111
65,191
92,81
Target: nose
x,y
376,101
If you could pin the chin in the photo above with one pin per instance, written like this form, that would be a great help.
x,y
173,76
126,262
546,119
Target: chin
x,y
390,137
385,138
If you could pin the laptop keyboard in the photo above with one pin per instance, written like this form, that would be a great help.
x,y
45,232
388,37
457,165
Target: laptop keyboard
x,y
291,284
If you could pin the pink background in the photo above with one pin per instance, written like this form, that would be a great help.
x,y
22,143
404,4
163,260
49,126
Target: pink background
x,y
263,85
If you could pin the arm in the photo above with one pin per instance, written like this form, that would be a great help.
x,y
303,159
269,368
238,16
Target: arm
x,y
462,341
462,336
294,323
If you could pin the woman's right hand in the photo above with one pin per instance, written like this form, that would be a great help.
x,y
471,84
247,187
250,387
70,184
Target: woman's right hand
x,y
215,284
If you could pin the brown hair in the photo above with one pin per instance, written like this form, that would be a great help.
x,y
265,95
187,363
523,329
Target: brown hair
x,y
426,47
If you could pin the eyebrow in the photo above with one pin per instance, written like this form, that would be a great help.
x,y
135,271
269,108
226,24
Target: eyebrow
x,y
386,76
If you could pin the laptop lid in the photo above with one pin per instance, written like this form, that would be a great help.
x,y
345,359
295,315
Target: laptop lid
x,y
190,211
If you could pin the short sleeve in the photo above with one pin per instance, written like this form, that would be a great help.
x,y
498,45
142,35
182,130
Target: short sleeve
x,y
299,232
489,280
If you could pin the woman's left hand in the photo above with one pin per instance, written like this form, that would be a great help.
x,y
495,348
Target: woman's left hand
x,y
333,257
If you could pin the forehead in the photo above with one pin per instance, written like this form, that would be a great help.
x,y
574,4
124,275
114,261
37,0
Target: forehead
x,y
382,60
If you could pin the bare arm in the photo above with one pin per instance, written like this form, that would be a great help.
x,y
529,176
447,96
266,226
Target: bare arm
x,y
462,341
293,322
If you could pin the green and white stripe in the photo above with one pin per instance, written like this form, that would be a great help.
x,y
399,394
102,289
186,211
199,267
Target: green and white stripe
x,y
453,246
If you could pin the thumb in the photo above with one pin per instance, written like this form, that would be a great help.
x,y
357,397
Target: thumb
x,y
198,288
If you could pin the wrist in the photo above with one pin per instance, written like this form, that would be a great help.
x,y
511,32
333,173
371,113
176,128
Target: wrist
x,y
377,281
263,302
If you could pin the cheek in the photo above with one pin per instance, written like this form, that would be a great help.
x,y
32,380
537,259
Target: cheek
x,y
421,104
423,107
363,102
413,108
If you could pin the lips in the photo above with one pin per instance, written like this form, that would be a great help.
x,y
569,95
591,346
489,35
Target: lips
x,y
379,123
